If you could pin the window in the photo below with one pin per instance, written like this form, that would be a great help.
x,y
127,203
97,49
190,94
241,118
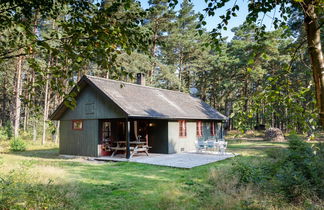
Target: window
x,y
199,128
212,128
77,124
182,128
89,108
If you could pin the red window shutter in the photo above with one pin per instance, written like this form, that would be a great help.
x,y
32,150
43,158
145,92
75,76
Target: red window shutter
x,y
199,128
182,128
212,128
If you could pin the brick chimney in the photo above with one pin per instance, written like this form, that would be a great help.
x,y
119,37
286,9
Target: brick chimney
x,y
140,79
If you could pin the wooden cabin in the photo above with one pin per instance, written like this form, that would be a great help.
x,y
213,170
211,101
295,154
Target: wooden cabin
x,y
110,111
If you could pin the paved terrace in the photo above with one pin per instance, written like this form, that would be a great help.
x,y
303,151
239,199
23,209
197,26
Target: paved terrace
x,y
179,160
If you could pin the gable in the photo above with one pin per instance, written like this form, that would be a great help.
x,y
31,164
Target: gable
x,y
92,105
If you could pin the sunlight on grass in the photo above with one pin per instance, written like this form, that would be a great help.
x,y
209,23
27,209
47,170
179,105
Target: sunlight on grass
x,y
112,185
252,148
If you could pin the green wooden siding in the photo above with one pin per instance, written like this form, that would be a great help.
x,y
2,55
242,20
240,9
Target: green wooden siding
x,y
159,136
207,133
92,105
79,142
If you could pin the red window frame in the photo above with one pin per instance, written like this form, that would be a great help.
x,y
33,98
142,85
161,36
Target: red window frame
x,y
212,128
182,128
77,121
199,128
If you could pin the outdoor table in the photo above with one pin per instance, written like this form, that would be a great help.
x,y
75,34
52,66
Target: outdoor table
x,y
137,147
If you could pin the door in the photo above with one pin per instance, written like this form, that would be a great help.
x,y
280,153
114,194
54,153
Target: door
x,y
105,140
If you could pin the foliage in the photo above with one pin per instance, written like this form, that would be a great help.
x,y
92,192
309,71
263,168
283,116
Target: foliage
x,y
59,42
3,134
296,174
17,144
8,129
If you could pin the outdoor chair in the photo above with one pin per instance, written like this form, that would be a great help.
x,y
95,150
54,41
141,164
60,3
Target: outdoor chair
x,y
222,147
200,146
211,145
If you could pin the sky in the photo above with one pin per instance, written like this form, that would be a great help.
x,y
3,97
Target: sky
x,y
199,5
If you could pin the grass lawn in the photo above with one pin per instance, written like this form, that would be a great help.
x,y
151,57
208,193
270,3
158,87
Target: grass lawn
x,y
110,185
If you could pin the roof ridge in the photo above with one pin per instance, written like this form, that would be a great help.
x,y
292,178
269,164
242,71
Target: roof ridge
x,y
137,85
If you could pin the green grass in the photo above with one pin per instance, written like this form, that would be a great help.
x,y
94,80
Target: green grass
x,y
111,185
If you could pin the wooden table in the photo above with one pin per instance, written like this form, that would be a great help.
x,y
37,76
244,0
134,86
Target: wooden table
x,y
137,146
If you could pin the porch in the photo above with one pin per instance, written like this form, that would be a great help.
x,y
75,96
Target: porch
x,y
178,160
128,137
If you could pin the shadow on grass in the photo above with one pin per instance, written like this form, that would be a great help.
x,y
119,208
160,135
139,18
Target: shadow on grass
x,y
52,153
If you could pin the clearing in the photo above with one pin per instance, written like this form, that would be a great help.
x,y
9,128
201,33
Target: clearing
x,y
125,185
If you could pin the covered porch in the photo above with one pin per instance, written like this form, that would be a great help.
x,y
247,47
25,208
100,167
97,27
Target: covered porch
x,y
128,137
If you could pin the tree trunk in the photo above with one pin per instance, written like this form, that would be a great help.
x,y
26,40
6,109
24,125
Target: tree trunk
x,y
315,52
57,132
45,113
153,54
17,96
180,70
4,100
34,131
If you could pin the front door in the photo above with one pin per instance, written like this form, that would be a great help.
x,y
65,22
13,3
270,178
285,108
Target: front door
x,y
105,140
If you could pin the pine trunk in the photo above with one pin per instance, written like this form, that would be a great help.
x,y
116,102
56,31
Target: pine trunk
x,y
34,131
17,96
45,113
4,101
316,54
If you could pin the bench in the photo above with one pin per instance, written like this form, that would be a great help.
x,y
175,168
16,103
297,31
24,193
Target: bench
x,y
133,150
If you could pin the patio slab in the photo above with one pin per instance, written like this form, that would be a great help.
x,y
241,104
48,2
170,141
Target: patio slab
x,y
179,160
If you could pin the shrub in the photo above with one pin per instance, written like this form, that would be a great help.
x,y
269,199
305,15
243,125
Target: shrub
x,y
9,130
302,173
3,134
297,173
17,144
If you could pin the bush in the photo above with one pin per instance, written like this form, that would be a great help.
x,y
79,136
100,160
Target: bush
x,y
3,134
17,144
9,130
296,175
247,172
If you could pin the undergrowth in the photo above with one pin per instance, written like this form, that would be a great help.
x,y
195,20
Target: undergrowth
x,y
294,175
20,190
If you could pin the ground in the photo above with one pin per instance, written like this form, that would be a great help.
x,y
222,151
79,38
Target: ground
x,y
123,185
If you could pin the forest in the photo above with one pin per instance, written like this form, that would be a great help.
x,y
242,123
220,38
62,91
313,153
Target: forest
x,y
257,78
268,75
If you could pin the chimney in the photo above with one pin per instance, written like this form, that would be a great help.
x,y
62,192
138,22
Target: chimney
x,y
140,79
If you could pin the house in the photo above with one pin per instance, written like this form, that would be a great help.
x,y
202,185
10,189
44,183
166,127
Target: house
x,y
109,110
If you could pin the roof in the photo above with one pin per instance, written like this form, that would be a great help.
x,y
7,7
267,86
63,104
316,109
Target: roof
x,y
148,102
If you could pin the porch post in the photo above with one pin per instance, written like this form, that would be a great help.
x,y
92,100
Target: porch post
x,y
127,138
222,130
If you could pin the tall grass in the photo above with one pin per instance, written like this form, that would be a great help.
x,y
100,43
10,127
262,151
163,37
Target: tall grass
x,y
292,177
21,189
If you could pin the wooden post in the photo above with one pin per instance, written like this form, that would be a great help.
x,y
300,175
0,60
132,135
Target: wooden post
x,y
127,138
222,131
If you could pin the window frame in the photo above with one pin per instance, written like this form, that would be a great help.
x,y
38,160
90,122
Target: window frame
x,y
77,129
182,128
199,128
